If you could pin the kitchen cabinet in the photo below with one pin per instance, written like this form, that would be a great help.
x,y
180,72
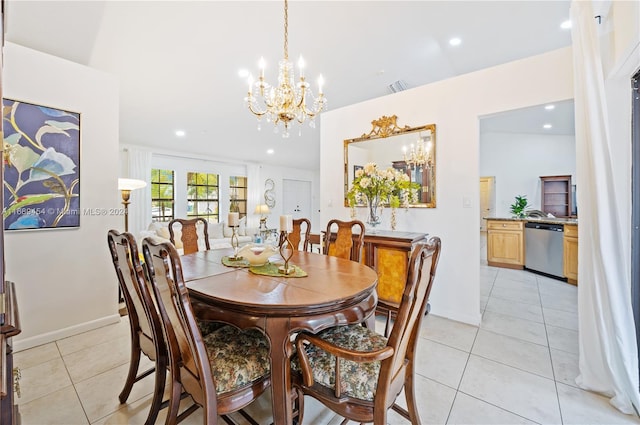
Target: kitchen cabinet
x,y
570,253
556,195
505,243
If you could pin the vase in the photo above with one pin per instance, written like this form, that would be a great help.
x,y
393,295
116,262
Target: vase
x,y
393,219
373,219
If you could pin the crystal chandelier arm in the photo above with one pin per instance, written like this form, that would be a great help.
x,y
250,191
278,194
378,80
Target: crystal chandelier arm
x,y
254,111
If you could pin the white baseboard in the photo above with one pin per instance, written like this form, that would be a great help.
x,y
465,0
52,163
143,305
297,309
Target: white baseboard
x,y
34,341
470,319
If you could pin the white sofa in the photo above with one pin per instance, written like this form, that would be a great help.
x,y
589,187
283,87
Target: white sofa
x,y
219,234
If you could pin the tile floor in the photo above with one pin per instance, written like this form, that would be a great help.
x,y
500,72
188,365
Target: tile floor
x,y
518,367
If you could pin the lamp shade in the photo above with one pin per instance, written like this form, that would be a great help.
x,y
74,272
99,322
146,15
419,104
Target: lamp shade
x,y
262,209
131,184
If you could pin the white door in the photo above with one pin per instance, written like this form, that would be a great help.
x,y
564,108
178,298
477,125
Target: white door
x,y
296,198
487,200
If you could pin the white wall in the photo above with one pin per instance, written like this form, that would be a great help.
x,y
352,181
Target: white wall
x,y
278,174
518,160
65,281
454,105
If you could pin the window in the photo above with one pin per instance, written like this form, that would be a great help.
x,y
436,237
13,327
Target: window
x,y
238,190
202,196
161,195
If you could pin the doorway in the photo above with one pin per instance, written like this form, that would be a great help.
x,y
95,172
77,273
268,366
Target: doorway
x,y
487,200
296,198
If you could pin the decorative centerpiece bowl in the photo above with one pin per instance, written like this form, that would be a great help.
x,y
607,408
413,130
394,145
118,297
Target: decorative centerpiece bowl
x,y
257,254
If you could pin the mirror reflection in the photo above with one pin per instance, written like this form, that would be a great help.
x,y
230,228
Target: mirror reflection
x,y
410,150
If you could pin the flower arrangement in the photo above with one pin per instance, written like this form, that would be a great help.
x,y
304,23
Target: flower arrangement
x,y
379,188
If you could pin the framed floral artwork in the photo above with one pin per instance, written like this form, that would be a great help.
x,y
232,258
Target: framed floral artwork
x,y
41,166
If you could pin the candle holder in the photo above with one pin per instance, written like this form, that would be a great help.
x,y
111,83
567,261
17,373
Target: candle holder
x,y
285,253
234,244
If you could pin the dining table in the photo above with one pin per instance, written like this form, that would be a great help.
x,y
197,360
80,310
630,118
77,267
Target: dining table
x,y
333,292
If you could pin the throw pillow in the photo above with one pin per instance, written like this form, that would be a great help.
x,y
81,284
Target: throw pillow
x,y
163,232
226,230
243,226
216,230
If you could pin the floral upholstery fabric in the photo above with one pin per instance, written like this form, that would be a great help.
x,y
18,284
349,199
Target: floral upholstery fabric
x,y
237,357
358,380
208,326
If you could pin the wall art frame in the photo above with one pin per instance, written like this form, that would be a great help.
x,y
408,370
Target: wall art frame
x,y
41,166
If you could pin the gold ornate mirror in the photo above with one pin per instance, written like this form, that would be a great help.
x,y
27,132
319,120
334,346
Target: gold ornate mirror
x,y
411,150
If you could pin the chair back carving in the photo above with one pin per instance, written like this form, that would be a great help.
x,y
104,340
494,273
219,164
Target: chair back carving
x,y
188,361
300,233
405,332
190,228
365,399
344,242
144,321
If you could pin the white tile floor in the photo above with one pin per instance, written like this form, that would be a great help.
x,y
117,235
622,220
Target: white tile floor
x,y
518,367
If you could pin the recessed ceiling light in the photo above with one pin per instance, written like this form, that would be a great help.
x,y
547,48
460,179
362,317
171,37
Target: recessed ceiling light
x,y
566,24
550,107
547,126
270,151
180,133
455,41
243,73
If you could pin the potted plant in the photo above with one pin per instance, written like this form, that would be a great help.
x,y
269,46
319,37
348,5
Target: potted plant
x,y
518,207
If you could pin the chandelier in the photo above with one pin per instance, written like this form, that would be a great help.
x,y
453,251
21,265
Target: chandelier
x,y
287,101
418,155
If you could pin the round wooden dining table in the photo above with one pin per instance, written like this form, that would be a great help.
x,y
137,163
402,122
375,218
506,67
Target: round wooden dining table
x,y
334,292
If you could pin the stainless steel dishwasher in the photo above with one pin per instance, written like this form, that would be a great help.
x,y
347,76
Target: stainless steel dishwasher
x,y
544,248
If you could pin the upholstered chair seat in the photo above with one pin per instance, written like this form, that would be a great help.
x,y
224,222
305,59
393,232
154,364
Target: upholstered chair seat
x,y
358,380
237,358
208,326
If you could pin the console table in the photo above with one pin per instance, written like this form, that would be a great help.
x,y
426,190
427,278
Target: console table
x,y
387,252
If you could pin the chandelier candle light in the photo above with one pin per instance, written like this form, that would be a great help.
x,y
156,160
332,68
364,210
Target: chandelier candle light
x,y
287,101
286,248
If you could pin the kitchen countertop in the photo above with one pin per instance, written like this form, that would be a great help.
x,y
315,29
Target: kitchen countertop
x,y
547,220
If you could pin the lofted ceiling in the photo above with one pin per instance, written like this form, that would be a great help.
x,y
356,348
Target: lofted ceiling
x,y
178,62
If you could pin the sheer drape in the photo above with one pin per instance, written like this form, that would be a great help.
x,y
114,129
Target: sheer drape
x,y
607,340
140,208
255,193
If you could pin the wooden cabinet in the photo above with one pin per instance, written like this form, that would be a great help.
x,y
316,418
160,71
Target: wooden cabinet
x,y
387,252
556,195
9,327
570,255
505,243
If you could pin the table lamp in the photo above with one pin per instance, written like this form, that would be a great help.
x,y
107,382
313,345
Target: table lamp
x,y
125,186
263,210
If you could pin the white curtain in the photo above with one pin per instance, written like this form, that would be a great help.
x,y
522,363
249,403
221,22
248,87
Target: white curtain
x,y
607,340
140,208
255,193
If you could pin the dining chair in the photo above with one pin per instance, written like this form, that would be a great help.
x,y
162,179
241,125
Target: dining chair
x,y
300,233
144,322
359,373
191,241
223,371
344,242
